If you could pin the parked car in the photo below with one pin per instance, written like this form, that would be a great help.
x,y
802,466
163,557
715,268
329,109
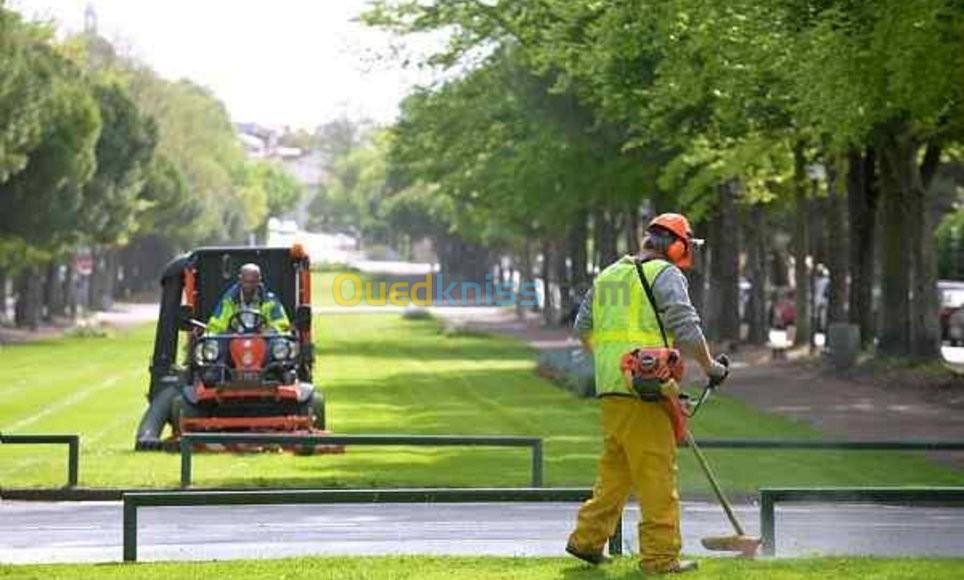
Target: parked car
x,y
952,301
955,328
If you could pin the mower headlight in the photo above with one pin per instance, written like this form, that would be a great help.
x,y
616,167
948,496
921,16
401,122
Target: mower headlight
x,y
280,349
207,351
284,349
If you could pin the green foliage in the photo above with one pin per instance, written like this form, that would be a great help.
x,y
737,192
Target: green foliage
x,y
383,374
716,90
39,203
96,148
268,190
196,136
861,67
419,211
168,208
21,90
124,150
196,186
351,198
510,162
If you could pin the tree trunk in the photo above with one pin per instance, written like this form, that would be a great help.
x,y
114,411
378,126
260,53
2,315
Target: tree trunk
x,y
925,332
97,299
696,279
778,267
608,252
547,302
525,279
596,256
817,224
578,237
863,197
70,297
29,298
3,296
54,299
729,263
800,250
631,229
563,280
712,300
837,246
895,272
756,258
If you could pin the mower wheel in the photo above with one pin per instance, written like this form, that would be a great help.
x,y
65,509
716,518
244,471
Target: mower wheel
x,y
315,406
181,408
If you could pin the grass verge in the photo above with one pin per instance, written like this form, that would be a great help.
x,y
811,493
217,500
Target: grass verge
x,y
382,374
482,567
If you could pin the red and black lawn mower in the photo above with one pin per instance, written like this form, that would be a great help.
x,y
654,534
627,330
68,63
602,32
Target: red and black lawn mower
x,y
249,379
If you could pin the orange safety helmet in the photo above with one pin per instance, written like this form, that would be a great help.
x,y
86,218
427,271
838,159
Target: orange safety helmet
x,y
680,252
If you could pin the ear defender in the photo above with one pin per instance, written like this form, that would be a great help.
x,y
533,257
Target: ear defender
x,y
678,253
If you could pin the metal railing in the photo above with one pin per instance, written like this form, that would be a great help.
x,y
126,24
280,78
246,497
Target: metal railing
x,y
825,444
189,440
71,441
133,501
770,496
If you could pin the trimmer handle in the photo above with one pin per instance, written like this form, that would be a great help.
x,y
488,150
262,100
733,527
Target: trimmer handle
x,y
715,382
711,385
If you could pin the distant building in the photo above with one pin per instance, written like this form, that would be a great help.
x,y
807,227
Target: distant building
x,y
321,248
306,166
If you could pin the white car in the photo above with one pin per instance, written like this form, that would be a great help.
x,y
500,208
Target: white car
x,y
955,328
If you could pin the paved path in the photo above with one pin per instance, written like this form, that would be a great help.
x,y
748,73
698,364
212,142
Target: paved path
x,y
91,532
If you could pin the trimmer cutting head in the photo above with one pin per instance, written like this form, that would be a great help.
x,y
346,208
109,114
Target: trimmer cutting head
x,y
747,546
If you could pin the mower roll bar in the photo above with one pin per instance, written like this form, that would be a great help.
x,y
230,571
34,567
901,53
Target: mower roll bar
x,y
163,369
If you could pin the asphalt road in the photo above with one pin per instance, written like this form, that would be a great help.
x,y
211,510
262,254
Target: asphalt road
x,y
91,532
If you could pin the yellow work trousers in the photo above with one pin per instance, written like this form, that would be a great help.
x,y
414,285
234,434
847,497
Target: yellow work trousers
x,y
639,455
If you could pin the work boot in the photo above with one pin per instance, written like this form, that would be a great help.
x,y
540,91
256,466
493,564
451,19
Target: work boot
x,y
677,567
594,558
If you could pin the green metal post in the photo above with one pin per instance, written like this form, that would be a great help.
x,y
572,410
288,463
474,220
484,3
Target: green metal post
x,y
537,463
130,530
73,449
768,523
73,460
185,462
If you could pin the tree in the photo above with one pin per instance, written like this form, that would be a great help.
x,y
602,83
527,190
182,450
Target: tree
x,y
111,203
40,203
714,92
269,191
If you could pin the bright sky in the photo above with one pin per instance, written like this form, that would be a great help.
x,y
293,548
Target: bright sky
x,y
276,62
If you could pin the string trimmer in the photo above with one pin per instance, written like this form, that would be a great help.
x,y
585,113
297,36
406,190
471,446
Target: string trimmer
x,y
746,545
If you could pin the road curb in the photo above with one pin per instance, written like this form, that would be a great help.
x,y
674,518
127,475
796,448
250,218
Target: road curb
x,y
83,494
68,494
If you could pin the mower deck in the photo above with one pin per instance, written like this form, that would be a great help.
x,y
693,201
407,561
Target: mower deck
x,y
291,425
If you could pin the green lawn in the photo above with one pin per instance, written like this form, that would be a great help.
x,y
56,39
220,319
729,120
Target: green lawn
x,y
383,374
344,288
474,568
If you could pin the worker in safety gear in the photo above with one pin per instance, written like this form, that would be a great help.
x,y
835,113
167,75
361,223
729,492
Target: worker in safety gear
x,y
639,446
249,292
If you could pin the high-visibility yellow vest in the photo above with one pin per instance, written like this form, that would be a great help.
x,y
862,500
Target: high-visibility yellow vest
x,y
622,320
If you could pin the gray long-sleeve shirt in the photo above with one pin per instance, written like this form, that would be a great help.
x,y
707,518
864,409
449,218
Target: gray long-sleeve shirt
x,y
671,292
